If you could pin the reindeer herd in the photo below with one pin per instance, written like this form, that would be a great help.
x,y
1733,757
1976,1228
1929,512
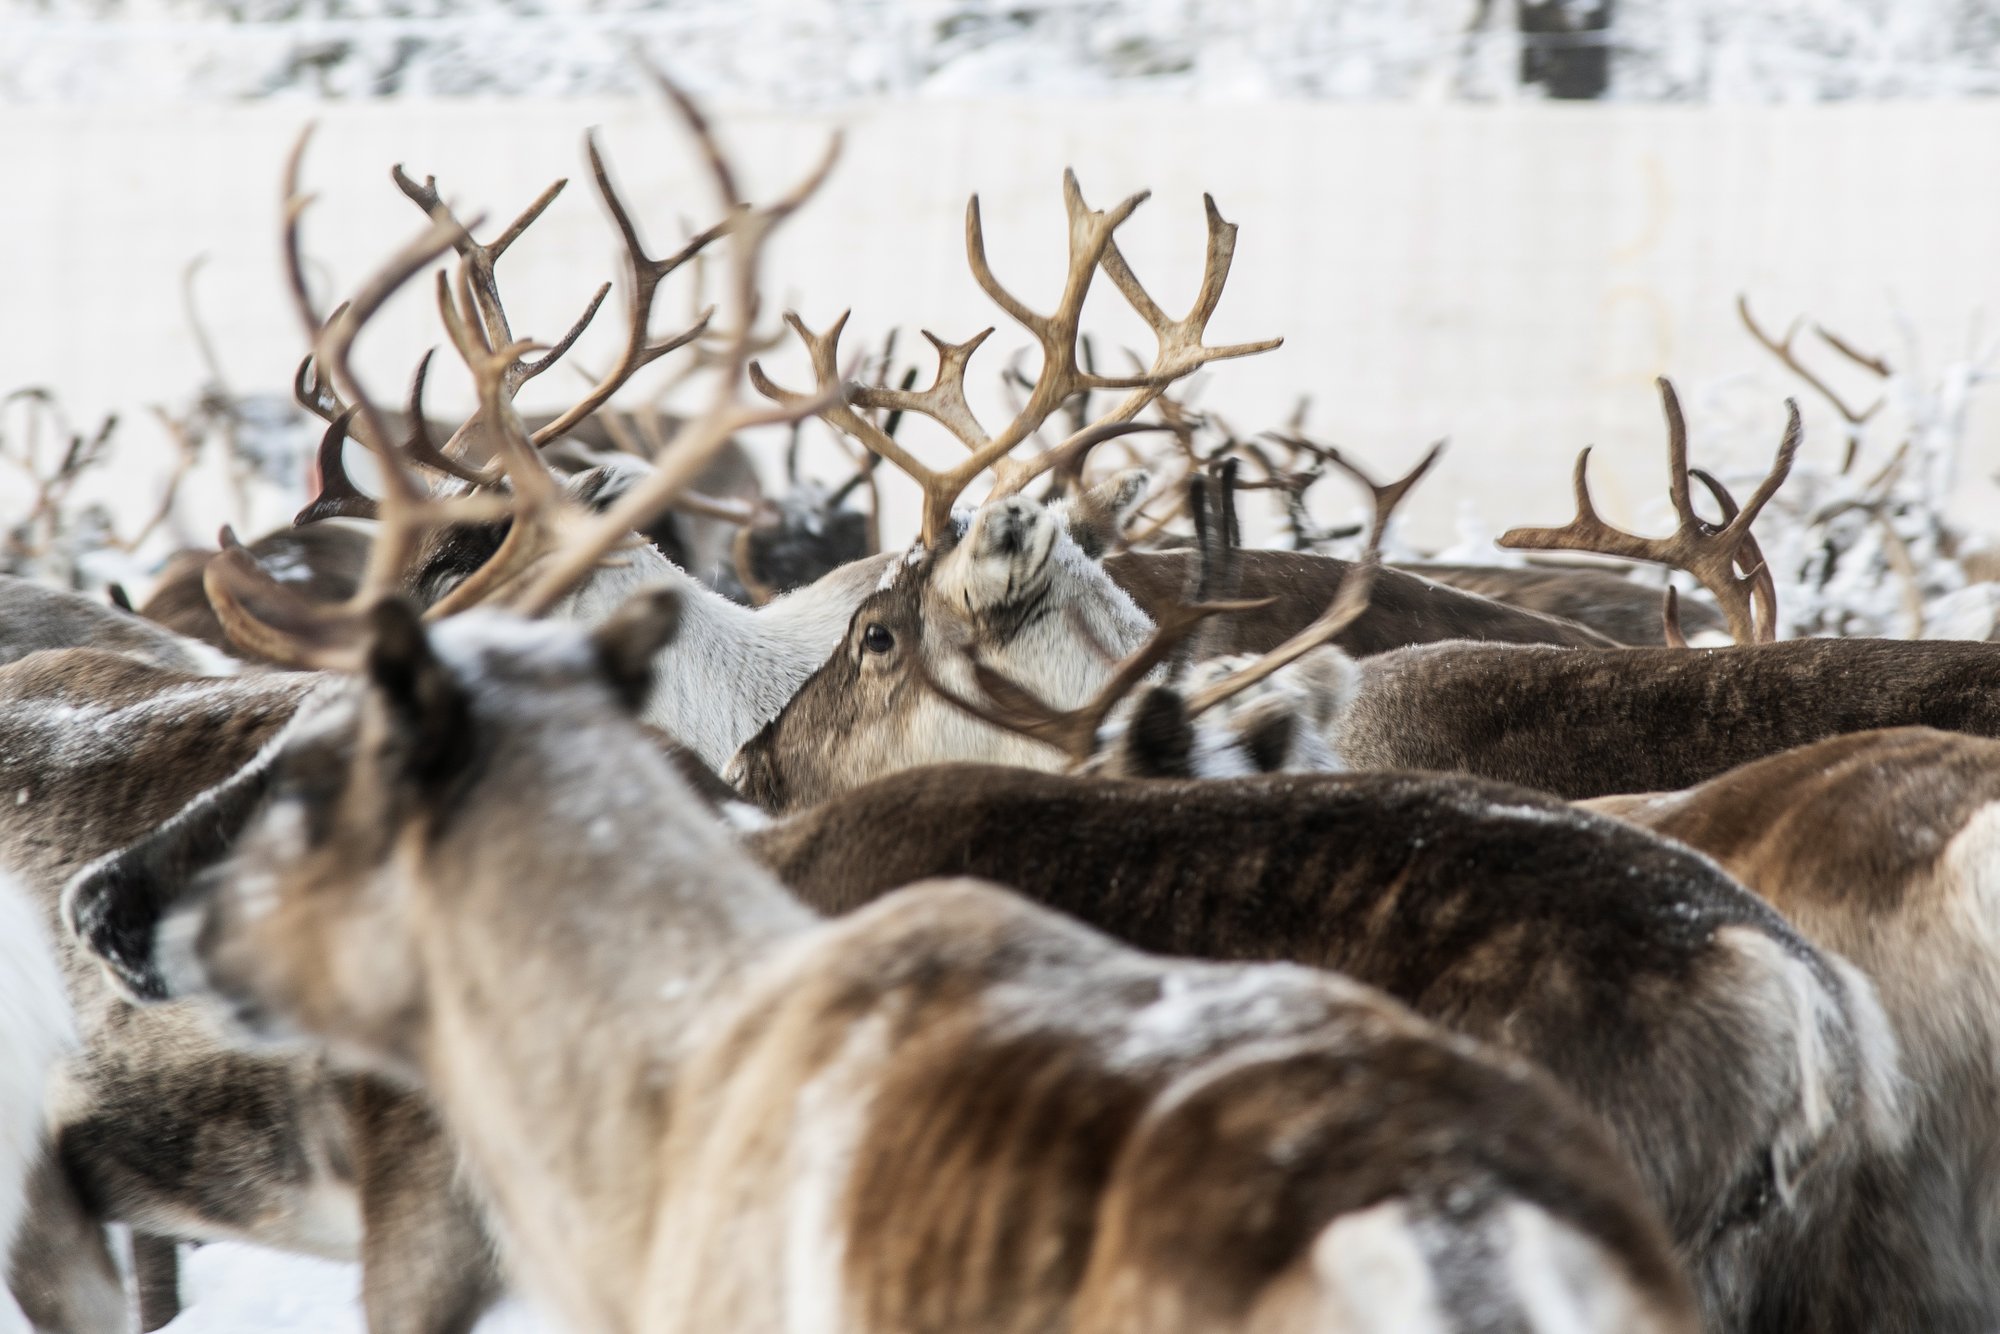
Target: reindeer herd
x,y
1072,920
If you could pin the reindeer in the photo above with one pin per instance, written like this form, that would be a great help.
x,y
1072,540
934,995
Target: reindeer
x,y
1247,868
1108,1083
1021,584
1573,722
34,616
1621,965
1880,845
303,1157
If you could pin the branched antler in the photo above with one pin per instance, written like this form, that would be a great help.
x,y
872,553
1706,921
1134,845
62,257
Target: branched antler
x,y
1063,373
1722,557
1783,350
1384,496
1349,600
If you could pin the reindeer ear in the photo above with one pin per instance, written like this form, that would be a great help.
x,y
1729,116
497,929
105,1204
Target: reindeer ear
x,y
627,643
1098,516
434,717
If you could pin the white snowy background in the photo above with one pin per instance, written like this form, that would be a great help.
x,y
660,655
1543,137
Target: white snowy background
x,y
1447,251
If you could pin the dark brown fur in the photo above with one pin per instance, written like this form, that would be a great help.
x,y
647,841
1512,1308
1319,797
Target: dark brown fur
x,y
1486,908
1403,609
1614,606
1587,723
1880,845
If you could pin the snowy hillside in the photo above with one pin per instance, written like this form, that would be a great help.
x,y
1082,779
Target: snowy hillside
x,y
825,52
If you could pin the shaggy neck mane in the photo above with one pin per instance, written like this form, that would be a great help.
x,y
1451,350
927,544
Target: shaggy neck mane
x,y
577,851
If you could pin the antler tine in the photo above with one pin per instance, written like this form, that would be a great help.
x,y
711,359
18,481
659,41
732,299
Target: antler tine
x,y
1710,553
749,230
294,205
1782,350
1670,619
1384,496
1879,365
338,497
480,259
1062,375
1349,602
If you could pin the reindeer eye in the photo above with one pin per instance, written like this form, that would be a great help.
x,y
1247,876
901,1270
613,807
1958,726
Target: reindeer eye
x,y
875,637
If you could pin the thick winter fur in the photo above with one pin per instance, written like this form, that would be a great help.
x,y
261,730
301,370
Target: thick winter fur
x,y
35,617
1885,846
322,562
1021,594
733,667
697,1107
1016,592
1614,606
1740,1070
1589,723
157,1122
1402,609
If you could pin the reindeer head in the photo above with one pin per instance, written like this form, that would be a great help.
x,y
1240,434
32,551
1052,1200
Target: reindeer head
x,y
413,763
1014,590
311,924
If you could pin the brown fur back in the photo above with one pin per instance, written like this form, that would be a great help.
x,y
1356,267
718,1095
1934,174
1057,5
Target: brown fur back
x,y
1885,846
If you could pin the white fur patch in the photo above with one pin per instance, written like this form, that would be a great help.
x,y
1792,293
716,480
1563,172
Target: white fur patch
x,y
730,669
1562,1281
1374,1275
1800,1014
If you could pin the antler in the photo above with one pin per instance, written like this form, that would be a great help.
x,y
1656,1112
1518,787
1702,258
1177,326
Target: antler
x,y
254,609
1723,558
1782,350
644,273
1384,496
1349,601
264,615
749,230
1063,375
1012,706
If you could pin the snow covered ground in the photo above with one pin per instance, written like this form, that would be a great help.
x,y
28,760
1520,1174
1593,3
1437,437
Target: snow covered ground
x,y
231,1289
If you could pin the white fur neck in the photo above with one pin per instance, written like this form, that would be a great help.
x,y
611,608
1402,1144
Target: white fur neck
x,y
731,669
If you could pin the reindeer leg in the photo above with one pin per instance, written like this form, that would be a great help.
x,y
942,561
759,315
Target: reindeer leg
x,y
61,1271
427,1262
156,1272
